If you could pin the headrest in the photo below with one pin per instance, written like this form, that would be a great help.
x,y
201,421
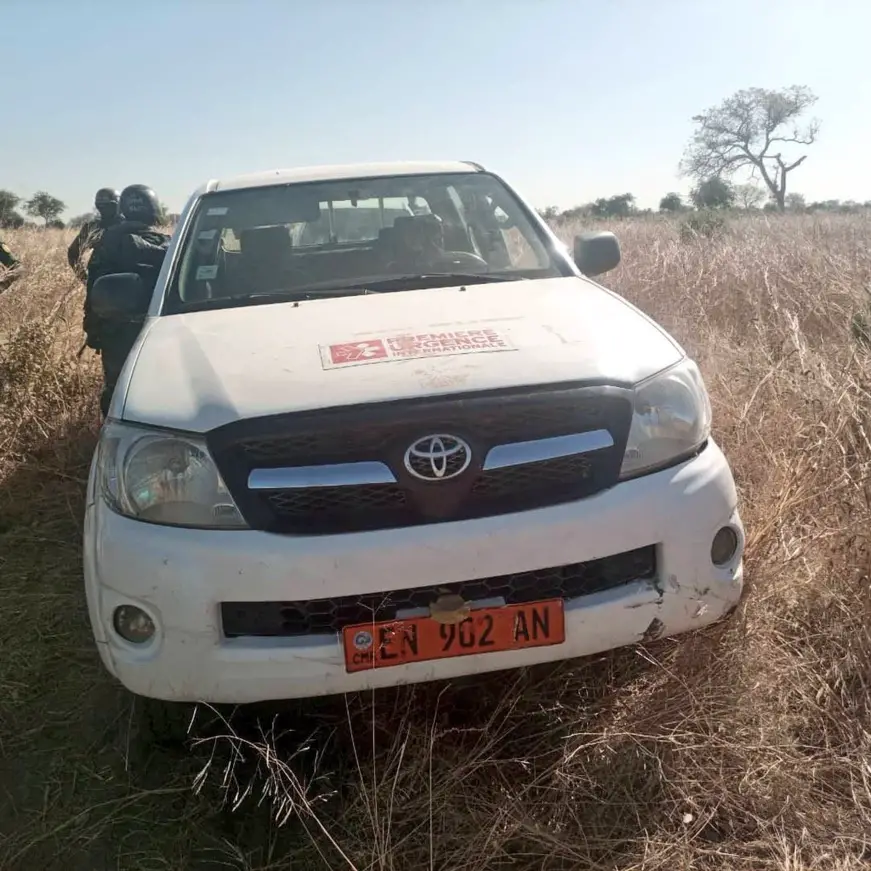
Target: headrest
x,y
264,240
417,230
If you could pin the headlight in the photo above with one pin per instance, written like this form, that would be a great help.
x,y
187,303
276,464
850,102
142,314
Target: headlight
x,y
163,478
672,418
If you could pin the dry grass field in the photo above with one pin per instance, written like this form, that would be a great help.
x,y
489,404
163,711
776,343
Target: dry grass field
x,y
744,746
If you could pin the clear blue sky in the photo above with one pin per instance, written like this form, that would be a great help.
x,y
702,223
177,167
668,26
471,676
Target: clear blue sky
x,y
569,99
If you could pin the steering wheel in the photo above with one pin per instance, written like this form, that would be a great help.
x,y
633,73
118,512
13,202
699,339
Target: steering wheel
x,y
465,260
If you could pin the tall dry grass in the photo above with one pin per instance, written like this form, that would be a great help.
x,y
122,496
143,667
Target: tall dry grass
x,y
744,746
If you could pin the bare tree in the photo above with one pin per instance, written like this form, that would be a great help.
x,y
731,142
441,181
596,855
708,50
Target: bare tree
x,y
749,196
748,130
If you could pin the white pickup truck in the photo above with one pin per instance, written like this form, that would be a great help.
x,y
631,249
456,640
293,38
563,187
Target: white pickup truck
x,y
381,427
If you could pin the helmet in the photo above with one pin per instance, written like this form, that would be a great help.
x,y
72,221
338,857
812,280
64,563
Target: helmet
x,y
106,201
140,203
106,196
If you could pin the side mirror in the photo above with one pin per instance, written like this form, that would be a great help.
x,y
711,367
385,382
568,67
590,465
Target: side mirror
x,y
596,253
120,297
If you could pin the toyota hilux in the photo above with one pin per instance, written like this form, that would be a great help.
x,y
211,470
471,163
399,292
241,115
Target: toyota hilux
x,y
381,426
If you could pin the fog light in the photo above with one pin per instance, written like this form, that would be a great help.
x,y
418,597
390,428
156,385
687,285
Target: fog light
x,y
724,546
133,624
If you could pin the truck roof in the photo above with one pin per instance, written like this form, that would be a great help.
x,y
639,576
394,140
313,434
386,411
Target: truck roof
x,y
340,171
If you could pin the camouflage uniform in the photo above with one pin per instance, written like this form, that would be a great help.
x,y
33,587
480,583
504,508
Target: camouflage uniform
x,y
86,240
131,246
10,267
106,203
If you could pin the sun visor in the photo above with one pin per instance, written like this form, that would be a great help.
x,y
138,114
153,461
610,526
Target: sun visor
x,y
260,207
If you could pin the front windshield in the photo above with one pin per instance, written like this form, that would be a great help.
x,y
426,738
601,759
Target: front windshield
x,y
327,238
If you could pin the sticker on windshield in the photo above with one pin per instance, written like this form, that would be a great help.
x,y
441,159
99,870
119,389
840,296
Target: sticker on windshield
x,y
411,346
205,235
206,273
216,210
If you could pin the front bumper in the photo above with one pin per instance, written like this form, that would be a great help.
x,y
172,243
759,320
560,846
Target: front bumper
x,y
180,577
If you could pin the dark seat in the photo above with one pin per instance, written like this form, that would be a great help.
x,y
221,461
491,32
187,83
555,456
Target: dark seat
x,y
417,240
265,257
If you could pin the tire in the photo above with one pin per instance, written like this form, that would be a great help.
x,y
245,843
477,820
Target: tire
x,y
163,723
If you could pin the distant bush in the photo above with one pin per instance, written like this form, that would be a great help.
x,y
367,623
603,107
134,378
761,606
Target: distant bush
x,y
713,193
704,224
11,221
672,202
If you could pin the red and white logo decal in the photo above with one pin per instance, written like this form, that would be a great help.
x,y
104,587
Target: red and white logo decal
x,y
357,352
409,346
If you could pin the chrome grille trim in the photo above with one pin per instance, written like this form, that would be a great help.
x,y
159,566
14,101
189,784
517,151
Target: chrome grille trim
x,y
307,477
539,450
361,474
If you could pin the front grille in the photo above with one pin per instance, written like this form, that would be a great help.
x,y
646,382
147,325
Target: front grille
x,y
350,434
379,506
329,616
548,476
382,433
316,503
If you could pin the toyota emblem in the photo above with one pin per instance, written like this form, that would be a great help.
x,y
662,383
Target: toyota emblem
x,y
438,457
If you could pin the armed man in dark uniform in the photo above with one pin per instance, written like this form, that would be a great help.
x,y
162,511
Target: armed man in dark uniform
x,y
106,204
10,267
134,245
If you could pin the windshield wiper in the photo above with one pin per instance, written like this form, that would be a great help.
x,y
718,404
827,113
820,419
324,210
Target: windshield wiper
x,y
238,300
411,280
435,279
350,287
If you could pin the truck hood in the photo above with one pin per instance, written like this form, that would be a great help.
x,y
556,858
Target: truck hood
x,y
200,370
